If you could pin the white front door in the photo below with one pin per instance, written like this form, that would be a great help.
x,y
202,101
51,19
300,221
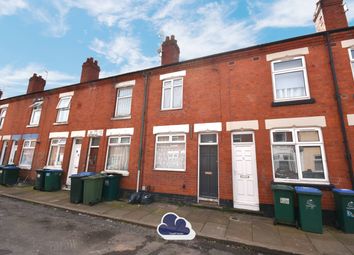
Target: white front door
x,y
74,159
244,171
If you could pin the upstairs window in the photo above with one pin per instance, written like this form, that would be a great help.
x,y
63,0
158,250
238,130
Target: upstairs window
x,y
124,101
2,116
290,79
351,57
172,94
56,153
63,108
298,155
36,113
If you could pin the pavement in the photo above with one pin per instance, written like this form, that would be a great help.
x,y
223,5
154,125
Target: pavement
x,y
248,230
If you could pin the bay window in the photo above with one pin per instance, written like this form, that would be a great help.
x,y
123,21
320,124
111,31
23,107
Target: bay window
x,y
56,152
290,79
118,153
170,152
298,155
27,153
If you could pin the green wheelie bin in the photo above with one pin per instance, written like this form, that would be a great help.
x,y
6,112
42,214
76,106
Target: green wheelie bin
x,y
77,186
284,209
93,186
344,199
52,179
111,187
39,184
310,209
10,174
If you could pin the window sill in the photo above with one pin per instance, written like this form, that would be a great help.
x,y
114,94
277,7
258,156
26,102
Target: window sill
x,y
122,172
326,186
171,109
25,167
169,170
293,102
32,126
60,123
122,118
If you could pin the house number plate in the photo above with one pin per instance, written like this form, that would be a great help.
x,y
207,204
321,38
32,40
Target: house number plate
x,y
208,173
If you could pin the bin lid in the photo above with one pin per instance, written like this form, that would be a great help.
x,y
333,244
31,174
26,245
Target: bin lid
x,y
344,191
96,176
282,187
83,174
52,170
10,167
307,190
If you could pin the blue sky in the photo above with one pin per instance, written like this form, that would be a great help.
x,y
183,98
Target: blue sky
x,y
54,37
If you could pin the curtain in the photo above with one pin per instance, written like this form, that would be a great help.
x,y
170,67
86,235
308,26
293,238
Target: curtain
x,y
170,156
118,157
290,85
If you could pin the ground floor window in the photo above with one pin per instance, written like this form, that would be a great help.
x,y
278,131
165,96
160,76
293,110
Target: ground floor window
x,y
27,153
56,153
118,153
170,152
298,155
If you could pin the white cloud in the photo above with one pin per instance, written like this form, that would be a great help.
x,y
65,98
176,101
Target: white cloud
x,y
11,7
14,81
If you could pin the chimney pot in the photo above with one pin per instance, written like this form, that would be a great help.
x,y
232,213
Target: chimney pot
x,y
90,70
169,51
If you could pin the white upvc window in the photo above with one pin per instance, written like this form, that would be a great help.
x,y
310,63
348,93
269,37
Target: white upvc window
x,y
27,153
172,94
298,156
2,116
56,152
118,151
351,57
170,152
290,80
36,113
13,152
63,108
124,101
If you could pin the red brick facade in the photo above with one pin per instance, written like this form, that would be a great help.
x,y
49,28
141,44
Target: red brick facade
x,y
228,87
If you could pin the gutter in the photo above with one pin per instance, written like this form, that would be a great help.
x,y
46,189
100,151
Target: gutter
x,y
142,130
348,155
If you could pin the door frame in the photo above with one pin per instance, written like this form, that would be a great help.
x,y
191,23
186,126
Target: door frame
x,y
72,153
253,144
198,183
89,151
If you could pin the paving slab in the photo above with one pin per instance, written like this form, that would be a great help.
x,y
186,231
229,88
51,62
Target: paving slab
x,y
237,230
326,244
212,229
266,233
153,219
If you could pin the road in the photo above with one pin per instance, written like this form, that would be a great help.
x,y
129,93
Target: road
x,y
27,228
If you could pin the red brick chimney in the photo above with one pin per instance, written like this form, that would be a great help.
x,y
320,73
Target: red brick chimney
x,y
36,83
169,51
90,70
329,15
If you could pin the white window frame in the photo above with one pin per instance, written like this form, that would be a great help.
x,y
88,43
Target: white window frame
x,y
5,145
119,171
50,151
3,112
63,109
297,145
170,135
211,143
30,141
290,70
172,89
351,60
123,97
13,151
36,107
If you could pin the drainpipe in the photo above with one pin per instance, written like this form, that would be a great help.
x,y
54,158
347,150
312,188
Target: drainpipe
x,y
340,110
142,130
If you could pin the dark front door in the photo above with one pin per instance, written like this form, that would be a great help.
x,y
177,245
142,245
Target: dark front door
x,y
208,171
92,162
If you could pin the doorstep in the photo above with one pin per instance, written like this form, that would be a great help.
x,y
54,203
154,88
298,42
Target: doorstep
x,y
227,226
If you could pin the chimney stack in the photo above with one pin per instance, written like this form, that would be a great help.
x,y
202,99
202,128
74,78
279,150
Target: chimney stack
x,y
36,84
170,51
330,15
90,70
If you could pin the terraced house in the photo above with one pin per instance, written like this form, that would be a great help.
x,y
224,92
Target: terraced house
x,y
220,128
